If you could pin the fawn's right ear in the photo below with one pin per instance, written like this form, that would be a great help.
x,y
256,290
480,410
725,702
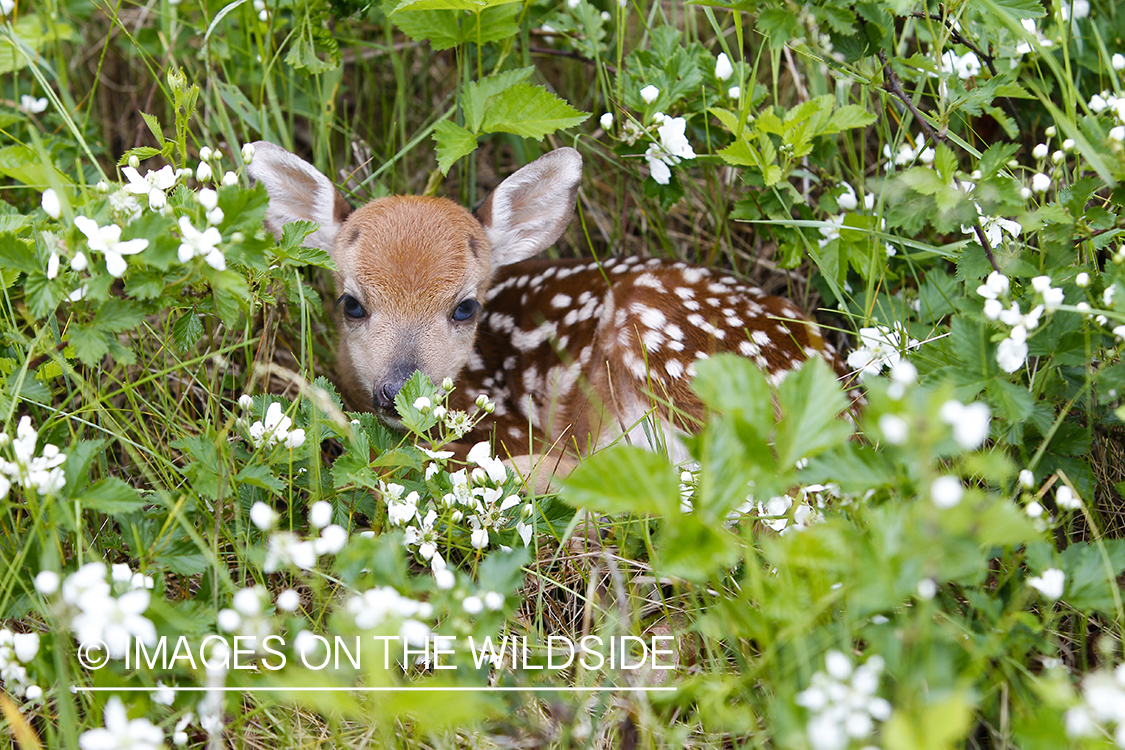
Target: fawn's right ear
x,y
297,192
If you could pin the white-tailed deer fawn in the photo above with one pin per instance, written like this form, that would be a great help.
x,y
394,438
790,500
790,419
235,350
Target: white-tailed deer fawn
x,y
574,353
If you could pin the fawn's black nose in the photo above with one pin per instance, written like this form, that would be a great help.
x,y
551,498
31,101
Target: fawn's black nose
x,y
384,392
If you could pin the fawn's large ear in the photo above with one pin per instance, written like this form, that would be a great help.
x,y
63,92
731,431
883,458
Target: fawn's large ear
x,y
297,192
531,208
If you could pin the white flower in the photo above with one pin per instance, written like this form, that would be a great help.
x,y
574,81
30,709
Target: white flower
x,y
274,429
1117,61
294,439
970,423
401,511
246,401
606,120
880,347
965,66
422,403
1040,182
1050,584
842,702
230,178
332,539
203,171
480,454
493,600
201,244
205,153
320,514
649,94
1012,351
1108,295
734,92
288,600
1057,156
50,203
1082,279
723,68
32,105
152,185
1040,151
996,285
247,153
107,240
1075,8
120,733
1034,509
79,261
47,582
673,147
1026,478
444,578
1068,144
285,548
114,621
894,428
262,516
473,605
1066,499
946,491
479,538
847,201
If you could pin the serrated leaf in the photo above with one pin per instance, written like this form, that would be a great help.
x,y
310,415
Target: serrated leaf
x,y
453,142
811,402
186,331
848,117
529,111
154,127
448,28
257,475
141,152
112,496
460,5
89,344
478,94
624,479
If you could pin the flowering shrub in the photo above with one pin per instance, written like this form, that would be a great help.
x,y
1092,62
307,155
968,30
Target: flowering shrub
x,y
183,491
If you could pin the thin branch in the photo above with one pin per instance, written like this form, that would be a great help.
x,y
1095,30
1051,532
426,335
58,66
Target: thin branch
x,y
957,38
571,55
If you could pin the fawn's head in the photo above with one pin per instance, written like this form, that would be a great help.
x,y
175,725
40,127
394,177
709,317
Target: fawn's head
x,y
412,272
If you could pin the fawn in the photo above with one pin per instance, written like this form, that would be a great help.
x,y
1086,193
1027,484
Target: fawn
x,y
574,353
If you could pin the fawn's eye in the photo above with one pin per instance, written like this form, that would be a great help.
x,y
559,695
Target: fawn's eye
x,y
352,307
467,310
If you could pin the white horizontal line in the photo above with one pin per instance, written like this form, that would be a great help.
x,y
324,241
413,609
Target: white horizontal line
x,y
404,689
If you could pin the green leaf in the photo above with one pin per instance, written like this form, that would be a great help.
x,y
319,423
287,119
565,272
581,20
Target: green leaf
x,y
1014,402
453,142
779,25
470,5
448,28
529,111
503,571
811,402
624,479
89,344
1091,572
32,32
141,152
258,475
186,331
112,496
154,127
694,550
479,93
848,117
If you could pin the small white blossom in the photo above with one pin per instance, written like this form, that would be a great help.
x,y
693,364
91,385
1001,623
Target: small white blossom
x,y
203,172
649,94
247,153
320,514
970,423
842,702
1040,182
723,68
47,582
288,600
1051,584
32,105
1012,351
734,92
880,347
1074,9
263,516
107,241
473,605
50,203
121,733
1082,279
894,429
201,244
606,120
1040,151
1066,499
946,491
1026,479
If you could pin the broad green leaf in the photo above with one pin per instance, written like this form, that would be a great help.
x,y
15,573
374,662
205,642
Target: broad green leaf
x,y
848,117
89,344
694,550
624,479
154,127
259,475
811,402
1091,571
31,33
22,164
112,496
186,331
141,152
479,93
453,142
448,28
529,111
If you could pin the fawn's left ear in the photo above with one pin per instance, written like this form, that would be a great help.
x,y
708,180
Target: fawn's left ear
x,y
298,192
531,208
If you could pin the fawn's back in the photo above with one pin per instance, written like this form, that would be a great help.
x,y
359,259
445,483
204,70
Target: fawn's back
x,y
573,353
